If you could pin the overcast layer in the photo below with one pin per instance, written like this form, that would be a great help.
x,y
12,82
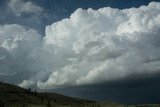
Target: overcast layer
x,y
89,47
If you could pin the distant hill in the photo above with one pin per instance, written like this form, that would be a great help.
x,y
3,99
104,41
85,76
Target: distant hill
x,y
14,96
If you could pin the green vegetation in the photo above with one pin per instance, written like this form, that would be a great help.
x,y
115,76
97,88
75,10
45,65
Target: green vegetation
x,y
14,96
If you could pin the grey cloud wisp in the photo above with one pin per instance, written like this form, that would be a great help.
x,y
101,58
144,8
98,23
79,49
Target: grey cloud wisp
x,y
19,6
92,46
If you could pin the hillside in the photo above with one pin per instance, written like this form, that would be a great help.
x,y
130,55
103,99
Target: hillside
x,y
13,95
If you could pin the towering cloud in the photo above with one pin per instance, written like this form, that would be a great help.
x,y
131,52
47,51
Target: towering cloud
x,y
19,48
91,46
104,44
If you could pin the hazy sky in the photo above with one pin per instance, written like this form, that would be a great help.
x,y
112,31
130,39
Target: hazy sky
x,y
94,49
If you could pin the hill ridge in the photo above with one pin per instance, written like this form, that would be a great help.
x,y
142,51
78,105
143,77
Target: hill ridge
x,y
10,93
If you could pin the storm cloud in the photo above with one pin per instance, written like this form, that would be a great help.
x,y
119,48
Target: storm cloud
x,y
104,44
89,47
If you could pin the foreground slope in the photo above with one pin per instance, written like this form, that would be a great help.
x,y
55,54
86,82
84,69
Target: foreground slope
x,y
13,95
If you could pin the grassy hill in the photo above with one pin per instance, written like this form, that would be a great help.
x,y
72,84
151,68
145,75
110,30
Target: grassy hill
x,y
14,96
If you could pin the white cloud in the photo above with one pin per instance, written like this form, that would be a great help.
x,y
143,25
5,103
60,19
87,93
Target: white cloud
x,y
19,47
20,6
26,84
105,44
23,56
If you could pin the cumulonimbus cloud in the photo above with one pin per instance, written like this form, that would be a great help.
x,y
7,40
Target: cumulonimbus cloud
x,y
91,46
105,44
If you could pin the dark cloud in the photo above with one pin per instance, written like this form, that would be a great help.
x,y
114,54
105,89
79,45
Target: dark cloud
x,y
137,89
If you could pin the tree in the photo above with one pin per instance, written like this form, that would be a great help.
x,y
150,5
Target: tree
x,y
35,91
48,104
29,90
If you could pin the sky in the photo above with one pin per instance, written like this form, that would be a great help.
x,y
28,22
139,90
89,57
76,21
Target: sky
x,y
104,50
